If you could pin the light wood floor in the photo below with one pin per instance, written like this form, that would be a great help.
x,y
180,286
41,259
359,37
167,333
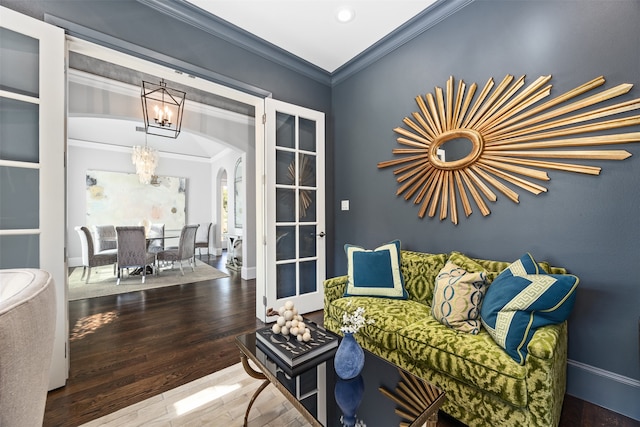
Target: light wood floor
x,y
127,348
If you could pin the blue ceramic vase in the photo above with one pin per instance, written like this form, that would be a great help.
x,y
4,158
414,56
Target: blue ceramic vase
x,y
349,359
348,394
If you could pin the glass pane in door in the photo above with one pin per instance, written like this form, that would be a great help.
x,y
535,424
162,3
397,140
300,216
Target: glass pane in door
x,y
18,135
308,277
19,64
19,198
286,285
285,130
285,167
307,135
22,251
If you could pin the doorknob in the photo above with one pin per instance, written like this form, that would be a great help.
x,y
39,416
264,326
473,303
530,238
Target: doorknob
x,y
321,234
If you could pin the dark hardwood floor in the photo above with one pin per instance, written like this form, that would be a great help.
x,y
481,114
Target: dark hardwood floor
x,y
126,348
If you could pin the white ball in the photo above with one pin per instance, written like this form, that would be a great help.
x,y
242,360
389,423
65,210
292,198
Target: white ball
x,y
293,331
281,310
288,315
284,330
300,338
276,328
288,305
306,337
288,324
295,311
294,322
300,318
280,321
302,326
307,331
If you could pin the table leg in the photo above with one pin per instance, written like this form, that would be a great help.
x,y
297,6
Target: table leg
x,y
432,421
253,374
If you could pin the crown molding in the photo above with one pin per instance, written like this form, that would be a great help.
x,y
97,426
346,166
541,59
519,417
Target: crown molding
x,y
190,14
218,27
428,18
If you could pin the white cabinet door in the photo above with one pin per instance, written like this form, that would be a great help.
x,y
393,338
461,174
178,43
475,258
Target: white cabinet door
x,y
32,141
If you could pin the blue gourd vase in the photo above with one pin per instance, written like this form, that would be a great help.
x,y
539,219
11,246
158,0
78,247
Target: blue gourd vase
x,y
349,359
348,394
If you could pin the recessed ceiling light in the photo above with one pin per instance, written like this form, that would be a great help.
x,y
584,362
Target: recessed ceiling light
x,y
345,14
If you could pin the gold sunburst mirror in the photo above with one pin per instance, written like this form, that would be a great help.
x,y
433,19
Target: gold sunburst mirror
x,y
506,137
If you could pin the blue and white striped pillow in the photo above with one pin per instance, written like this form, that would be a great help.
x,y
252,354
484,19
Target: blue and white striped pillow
x,y
522,299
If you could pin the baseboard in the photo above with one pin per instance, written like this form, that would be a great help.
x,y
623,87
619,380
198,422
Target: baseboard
x,y
604,388
248,273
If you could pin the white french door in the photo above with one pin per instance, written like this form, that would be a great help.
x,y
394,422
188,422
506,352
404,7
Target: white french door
x,y
32,141
295,214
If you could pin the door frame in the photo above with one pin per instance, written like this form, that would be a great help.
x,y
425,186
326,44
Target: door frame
x,y
130,60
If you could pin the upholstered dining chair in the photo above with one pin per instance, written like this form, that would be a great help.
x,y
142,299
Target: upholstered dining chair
x,y
132,250
105,237
185,250
155,237
202,239
89,257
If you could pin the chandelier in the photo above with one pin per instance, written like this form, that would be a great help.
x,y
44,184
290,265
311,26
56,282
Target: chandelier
x,y
146,159
162,109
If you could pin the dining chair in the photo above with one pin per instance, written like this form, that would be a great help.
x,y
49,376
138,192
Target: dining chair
x,y
202,239
184,251
105,237
89,257
132,250
155,238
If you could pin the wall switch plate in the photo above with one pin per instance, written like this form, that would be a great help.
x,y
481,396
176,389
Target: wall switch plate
x,y
344,205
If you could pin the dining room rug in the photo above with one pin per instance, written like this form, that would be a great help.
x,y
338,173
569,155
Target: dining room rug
x,y
103,281
219,399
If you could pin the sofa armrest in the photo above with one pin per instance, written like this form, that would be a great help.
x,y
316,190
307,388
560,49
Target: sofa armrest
x,y
547,374
544,343
334,288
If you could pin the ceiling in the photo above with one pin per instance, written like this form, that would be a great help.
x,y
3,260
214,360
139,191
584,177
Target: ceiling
x,y
310,29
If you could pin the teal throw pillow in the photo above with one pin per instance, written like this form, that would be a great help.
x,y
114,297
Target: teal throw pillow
x,y
522,299
375,273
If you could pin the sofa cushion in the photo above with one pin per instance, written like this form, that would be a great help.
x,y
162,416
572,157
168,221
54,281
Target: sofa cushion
x,y
457,298
375,272
419,271
389,315
471,359
522,299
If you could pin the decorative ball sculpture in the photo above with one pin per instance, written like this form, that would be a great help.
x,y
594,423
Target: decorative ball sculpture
x,y
291,323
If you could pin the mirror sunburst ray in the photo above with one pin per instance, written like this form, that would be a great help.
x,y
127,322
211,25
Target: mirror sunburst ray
x,y
512,133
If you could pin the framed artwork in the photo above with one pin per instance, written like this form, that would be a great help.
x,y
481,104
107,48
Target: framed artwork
x,y
120,199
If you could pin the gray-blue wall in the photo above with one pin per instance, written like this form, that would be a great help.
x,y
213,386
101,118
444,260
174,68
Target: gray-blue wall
x,y
587,224
584,223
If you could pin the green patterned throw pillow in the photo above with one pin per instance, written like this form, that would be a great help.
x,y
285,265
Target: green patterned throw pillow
x,y
375,273
522,299
457,298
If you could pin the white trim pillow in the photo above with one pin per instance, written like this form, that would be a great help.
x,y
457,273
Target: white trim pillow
x,y
375,273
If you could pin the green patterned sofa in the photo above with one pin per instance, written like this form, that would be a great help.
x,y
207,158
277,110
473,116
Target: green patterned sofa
x,y
484,385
